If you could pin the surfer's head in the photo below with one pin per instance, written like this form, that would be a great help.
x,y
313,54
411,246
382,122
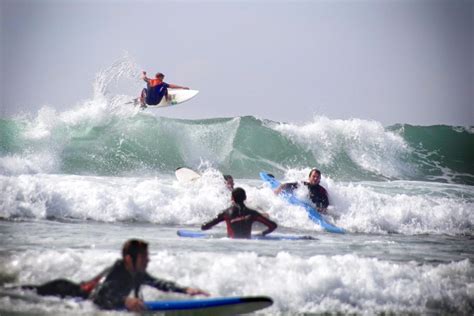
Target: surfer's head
x,y
159,75
238,195
229,181
314,176
135,254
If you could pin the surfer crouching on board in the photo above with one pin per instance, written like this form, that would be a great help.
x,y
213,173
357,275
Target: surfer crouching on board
x,y
156,89
317,193
239,218
111,288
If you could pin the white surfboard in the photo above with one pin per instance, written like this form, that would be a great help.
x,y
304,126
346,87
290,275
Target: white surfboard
x,y
176,96
186,175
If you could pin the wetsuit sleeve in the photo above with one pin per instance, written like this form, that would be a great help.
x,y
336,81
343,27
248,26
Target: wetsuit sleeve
x,y
271,225
213,222
289,187
163,285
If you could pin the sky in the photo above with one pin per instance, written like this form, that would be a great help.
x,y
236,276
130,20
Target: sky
x,y
392,61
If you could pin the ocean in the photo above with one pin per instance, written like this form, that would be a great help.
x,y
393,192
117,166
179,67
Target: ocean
x,y
75,184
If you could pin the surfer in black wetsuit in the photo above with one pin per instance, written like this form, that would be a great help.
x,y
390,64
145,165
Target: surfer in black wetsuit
x,y
229,182
111,288
239,218
317,193
156,89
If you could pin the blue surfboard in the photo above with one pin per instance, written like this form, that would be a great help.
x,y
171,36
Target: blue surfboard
x,y
211,306
201,234
313,213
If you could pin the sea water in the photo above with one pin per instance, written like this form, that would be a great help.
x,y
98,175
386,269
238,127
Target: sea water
x,y
75,184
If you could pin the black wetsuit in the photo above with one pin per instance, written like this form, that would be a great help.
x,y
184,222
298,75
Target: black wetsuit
x,y
66,288
60,287
239,220
154,94
118,283
109,288
317,193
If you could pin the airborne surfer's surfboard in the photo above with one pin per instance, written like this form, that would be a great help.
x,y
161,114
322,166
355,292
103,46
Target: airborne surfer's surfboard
x,y
211,306
186,175
176,96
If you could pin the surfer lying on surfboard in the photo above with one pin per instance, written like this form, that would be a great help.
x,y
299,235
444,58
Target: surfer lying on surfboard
x,y
317,193
239,218
111,288
156,89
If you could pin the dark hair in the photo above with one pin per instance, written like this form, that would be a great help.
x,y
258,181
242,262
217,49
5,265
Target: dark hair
x,y
159,75
314,170
134,247
228,177
238,195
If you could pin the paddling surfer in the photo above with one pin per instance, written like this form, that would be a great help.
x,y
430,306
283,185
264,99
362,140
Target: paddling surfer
x,y
239,218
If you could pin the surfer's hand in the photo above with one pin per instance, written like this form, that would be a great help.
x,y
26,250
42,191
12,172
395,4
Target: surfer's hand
x,y
278,190
191,291
134,304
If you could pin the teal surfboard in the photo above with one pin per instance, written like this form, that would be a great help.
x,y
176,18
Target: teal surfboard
x,y
313,213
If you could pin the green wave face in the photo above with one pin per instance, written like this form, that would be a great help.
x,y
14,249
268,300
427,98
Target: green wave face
x,y
349,150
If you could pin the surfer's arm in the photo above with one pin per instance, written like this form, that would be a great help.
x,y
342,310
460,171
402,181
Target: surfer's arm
x,y
286,187
144,77
213,222
271,225
169,286
163,285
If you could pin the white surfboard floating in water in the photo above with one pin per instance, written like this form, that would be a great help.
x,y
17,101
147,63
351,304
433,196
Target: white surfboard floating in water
x,y
186,175
176,96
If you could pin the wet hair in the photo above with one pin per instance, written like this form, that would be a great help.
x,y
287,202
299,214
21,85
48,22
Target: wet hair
x,y
314,170
228,177
238,195
160,75
134,247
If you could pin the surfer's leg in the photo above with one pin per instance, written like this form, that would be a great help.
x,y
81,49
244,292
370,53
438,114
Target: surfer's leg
x,y
59,287
143,96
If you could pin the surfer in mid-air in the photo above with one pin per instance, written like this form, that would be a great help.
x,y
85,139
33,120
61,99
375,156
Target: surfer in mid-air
x,y
239,218
317,193
156,89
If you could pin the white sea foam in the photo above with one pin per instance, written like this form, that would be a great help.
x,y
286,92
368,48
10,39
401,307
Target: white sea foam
x,y
371,207
367,143
316,284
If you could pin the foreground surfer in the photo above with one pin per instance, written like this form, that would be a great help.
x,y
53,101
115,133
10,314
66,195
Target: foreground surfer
x,y
156,89
112,287
317,193
239,218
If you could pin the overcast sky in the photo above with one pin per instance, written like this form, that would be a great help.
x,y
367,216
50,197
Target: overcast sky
x,y
394,61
